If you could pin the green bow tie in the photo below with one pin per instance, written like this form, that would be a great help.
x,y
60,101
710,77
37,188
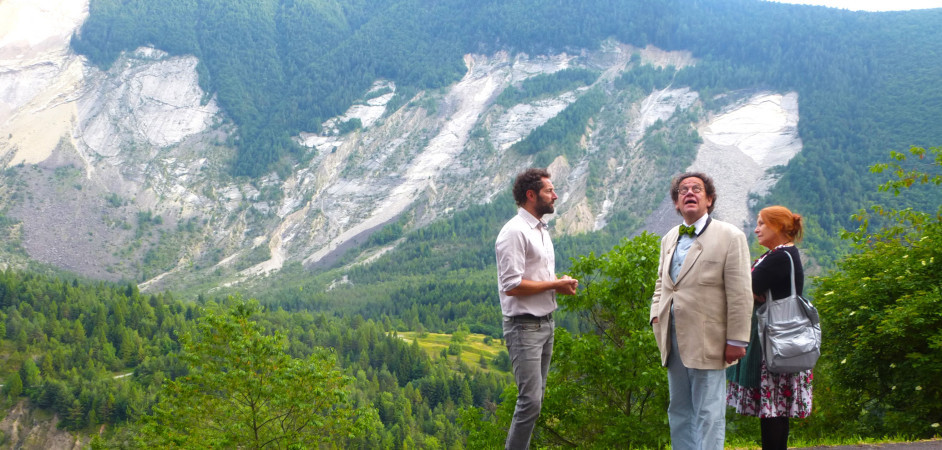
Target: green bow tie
x,y
690,231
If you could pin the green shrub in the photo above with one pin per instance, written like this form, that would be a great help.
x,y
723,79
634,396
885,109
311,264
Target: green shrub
x,y
881,318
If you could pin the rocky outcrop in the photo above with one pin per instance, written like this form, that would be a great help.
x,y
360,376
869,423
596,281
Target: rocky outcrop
x,y
39,76
148,99
742,145
740,148
26,427
127,167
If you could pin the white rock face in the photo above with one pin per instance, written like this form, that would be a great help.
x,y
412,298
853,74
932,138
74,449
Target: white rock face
x,y
660,105
58,111
154,99
146,134
465,102
39,76
741,145
522,119
47,93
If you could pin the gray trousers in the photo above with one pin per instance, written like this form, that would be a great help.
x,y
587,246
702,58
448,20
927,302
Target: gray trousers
x,y
530,345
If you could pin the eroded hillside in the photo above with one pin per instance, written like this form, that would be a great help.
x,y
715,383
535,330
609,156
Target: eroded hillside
x,y
130,181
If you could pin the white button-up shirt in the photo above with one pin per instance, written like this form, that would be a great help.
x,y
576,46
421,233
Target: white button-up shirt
x,y
525,252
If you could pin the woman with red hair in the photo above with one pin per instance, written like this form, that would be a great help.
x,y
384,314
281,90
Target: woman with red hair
x,y
752,389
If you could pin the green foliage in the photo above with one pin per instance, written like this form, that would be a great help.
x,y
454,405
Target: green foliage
x,y
502,361
608,388
243,390
906,177
881,316
561,135
671,146
646,77
546,85
350,126
29,375
487,427
101,354
13,386
114,200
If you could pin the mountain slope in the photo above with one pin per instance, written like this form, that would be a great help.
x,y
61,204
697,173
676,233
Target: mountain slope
x,y
136,175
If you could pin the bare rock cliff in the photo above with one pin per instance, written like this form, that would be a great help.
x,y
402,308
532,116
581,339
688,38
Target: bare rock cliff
x,y
122,174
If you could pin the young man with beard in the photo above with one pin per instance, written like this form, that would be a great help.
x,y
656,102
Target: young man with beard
x,y
527,284
701,313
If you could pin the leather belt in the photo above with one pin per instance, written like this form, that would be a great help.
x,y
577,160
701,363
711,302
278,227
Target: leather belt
x,y
531,318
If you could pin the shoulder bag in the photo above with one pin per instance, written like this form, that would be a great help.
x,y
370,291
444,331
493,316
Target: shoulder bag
x,y
789,331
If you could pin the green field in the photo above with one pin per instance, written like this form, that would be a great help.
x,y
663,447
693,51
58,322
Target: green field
x,y
472,348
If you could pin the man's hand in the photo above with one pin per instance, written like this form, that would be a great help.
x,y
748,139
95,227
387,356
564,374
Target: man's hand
x,y
566,285
734,353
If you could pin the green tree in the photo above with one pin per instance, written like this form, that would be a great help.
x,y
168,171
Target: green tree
x,y
30,376
502,361
880,312
486,428
76,416
461,334
13,386
607,388
245,391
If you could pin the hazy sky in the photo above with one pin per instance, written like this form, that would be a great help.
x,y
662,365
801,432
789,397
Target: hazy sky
x,y
871,5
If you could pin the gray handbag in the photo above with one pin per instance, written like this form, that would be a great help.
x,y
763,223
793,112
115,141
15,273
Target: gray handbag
x,y
789,331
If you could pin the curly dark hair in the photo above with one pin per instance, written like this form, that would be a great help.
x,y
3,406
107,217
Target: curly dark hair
x,y
707,184
528,180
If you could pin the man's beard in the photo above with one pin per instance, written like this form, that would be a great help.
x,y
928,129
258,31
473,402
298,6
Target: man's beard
x,y
544,208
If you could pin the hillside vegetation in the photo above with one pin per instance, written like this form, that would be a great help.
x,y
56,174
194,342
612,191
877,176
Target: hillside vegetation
x,y
65,346
866,81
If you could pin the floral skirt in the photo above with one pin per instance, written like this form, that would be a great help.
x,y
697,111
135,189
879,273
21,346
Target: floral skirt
x,y
778,395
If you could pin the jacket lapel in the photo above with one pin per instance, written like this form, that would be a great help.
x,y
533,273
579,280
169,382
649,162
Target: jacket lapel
x,y
696,248
666,266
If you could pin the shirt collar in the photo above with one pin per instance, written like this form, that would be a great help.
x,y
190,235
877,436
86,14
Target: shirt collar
x,y
700,223
533,222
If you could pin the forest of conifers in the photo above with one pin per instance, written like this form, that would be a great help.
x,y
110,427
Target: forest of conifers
x,y
68,345
281,67
147,365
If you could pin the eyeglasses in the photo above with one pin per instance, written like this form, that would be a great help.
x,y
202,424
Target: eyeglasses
x,y
696,189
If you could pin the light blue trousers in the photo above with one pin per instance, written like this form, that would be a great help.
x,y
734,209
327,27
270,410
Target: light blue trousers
x,y
530,346
697,411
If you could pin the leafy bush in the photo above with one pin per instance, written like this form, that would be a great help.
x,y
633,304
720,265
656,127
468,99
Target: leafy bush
x,y
881,314
244,390
607,388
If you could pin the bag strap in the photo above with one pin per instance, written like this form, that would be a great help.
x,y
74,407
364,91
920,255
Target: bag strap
x,y
768,294
792,261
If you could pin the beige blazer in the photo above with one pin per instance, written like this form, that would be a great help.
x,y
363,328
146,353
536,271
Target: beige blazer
x,y
712,296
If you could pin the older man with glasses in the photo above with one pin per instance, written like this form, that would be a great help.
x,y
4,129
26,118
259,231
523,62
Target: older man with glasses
x,y
701,313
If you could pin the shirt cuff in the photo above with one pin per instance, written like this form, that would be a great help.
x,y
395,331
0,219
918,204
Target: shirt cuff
x,y
510,284
737,343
